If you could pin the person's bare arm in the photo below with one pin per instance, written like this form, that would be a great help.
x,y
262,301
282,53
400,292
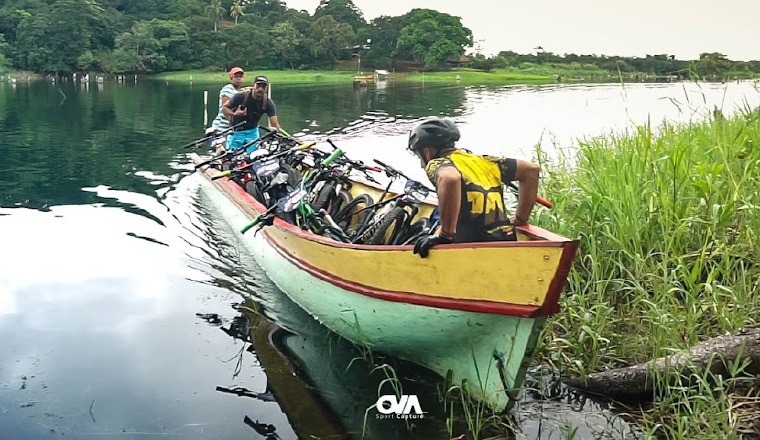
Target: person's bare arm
x,y
227,108
449,190
527,174
274,122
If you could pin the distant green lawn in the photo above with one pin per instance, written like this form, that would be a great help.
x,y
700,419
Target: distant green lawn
x,y
466,77
275,76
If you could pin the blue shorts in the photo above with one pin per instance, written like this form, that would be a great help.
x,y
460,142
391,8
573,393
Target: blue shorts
x,y
242,137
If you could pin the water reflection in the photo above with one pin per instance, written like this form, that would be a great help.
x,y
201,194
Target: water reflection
x,y
97,317
550,410
326,385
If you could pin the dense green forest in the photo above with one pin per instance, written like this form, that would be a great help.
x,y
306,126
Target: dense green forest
x,y
150,36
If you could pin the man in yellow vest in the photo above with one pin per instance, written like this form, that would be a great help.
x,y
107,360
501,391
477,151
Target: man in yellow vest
x,y
469,187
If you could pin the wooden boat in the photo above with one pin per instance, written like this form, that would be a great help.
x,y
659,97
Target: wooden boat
x,y
472,310
362,80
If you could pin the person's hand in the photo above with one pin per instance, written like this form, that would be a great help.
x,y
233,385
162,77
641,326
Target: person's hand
x,y
517,221
423,245
240,111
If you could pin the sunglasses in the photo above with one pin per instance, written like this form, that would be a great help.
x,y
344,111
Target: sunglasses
x,y
239,75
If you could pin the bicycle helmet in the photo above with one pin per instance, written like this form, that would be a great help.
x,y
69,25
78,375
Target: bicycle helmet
x,y
434,132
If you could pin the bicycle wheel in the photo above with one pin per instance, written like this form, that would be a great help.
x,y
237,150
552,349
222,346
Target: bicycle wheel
x,y
338,202
349,218
254,190
429,229
385,229
323,198
417,228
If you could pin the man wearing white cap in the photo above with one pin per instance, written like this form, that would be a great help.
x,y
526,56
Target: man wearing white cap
x,y
249,107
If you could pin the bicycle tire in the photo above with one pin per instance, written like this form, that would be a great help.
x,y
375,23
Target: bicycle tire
x,y
341,200
417,228
323,198
432,226
348,219
382,229
254,190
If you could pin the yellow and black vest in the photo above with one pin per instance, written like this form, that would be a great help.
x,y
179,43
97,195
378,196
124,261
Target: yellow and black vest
x,y
482,216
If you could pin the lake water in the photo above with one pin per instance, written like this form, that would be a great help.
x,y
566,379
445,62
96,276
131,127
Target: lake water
x,y
128,309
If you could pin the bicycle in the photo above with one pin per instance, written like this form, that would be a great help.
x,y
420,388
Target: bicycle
x,y
394,214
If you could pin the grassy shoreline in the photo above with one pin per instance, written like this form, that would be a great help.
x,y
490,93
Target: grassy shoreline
x,y
668,258
531,75
464,77
536,74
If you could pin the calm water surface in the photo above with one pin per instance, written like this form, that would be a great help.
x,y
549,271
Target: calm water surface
x,y
127,308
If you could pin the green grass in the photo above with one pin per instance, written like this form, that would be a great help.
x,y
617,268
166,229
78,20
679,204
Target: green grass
x,y
526,74
464,77
275,76
668,219
471,77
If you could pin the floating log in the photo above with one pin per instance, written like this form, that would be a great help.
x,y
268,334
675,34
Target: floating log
x,y
636,382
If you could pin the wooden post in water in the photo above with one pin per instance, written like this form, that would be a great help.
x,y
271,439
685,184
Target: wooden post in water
x,y
205,108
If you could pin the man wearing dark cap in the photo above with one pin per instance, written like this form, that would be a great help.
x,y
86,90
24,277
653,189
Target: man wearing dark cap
x,y
249,106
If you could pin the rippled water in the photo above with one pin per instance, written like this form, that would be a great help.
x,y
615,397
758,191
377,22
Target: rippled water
x,y
125,298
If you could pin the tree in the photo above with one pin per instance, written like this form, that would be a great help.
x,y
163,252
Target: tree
x,y
202,51
249,54
236,11
215,11
384,32
11,17
284,39
343,11
328,39
713,64
57,39
3,52
265,11
150,46
432,38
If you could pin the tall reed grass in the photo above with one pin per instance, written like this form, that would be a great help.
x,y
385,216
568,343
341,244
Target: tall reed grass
x,y
668,220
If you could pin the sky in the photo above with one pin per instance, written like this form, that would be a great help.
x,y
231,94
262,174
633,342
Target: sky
x,y
684,28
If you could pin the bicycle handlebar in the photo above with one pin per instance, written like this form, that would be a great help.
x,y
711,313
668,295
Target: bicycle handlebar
x,y
390,171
